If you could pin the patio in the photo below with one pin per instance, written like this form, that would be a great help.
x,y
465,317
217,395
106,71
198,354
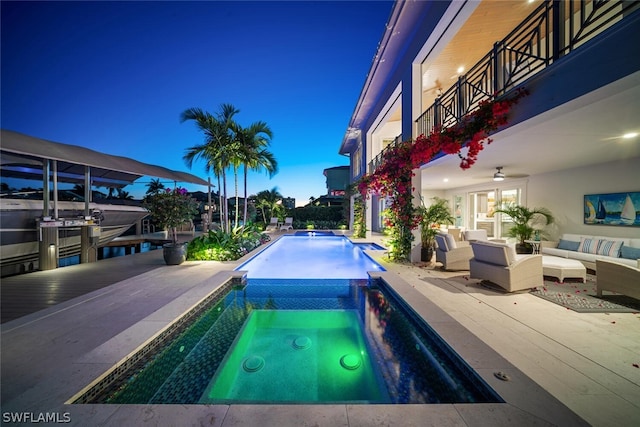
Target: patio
x,y
584,360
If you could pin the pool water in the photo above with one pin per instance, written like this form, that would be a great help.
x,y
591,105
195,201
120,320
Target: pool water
x,y
298,356
311,257
325,333
401,360
370,246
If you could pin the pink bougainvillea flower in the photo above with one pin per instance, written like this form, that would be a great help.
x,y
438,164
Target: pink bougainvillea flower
x,y
392,177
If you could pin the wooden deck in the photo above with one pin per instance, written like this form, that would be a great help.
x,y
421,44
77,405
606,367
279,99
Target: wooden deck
x,y
27,293
31,292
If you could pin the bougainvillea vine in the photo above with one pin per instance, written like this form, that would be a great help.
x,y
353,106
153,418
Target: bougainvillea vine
x,y
393,176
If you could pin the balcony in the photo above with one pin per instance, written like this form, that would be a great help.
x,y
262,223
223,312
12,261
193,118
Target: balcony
x,y
551,32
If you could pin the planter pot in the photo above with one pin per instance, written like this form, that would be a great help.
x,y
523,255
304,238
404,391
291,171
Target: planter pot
x,y
426,254
174,254
524,248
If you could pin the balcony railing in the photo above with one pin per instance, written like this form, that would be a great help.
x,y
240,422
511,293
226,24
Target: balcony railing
x,y
550,32
373,164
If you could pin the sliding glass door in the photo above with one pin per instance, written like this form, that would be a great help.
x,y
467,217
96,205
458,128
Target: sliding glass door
x,y
481,208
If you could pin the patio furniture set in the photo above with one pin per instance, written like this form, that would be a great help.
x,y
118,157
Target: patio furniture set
x,y
615,261
276,225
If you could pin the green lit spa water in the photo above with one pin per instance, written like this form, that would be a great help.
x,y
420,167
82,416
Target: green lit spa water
x,y
289,356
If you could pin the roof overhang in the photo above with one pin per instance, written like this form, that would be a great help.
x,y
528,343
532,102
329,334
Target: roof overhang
x,y
399,33
24,155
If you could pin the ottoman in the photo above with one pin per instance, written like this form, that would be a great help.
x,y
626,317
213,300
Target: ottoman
x,y
554,266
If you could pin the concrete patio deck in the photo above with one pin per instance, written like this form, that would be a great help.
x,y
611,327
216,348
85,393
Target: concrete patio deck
x,y
566,368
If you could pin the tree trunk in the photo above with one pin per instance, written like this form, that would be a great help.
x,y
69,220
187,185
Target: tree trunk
x,y
237,207
244,213
224,207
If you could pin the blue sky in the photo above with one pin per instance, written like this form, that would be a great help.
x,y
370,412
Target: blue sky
x,y
115,76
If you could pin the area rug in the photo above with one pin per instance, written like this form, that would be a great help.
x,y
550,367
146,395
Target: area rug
x,y
582,297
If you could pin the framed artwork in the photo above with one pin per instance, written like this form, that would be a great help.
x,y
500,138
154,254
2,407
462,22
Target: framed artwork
x,y
612,209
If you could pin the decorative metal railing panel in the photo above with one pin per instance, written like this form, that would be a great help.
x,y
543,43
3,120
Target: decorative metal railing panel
x,y
524,52
592,17
373,164
553,30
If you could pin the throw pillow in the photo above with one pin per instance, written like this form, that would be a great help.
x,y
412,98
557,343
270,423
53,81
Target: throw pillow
x,y
588,246
441,242
568,245
610,248
629,252
451,242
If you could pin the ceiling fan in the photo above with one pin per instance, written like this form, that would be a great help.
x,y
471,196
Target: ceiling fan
x,y
499,175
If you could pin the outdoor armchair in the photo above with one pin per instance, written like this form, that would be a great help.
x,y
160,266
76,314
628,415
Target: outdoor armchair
x,y
499,264
451,254
615,277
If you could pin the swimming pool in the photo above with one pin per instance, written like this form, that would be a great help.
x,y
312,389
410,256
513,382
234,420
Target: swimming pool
x,y
310,257
274,340
370,246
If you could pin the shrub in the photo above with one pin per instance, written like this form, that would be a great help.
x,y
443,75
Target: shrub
x,y
221,246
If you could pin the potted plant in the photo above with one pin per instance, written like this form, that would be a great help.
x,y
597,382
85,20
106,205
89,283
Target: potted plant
x,y
170,209
430,218
525,221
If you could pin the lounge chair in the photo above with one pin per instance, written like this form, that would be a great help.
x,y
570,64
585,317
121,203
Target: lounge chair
x,y
273,225
288,224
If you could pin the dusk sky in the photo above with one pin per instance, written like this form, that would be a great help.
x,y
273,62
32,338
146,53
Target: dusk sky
x,y
115,76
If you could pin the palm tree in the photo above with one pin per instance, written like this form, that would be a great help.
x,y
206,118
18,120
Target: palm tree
x,y
78,189
217,148
525,221
268,201
252,153
124,195
154,187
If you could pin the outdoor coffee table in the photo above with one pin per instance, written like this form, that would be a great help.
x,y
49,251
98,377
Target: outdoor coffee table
x,y
561,268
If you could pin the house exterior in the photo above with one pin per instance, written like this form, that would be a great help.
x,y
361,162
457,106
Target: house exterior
x,y
337,180
571,136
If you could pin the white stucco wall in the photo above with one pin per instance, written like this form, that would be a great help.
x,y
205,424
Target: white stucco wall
x,y
563,193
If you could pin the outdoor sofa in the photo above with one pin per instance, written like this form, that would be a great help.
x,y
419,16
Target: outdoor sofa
x,y
587,249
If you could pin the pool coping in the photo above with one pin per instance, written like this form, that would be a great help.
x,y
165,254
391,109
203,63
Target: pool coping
x,y
525,401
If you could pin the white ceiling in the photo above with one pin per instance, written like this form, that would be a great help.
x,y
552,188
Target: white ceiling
x,y
587,130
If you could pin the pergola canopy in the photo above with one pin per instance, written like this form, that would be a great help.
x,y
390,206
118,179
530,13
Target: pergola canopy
x,y
24,155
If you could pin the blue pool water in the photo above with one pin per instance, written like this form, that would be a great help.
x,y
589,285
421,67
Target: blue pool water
x,y
370,246
300,340
311,257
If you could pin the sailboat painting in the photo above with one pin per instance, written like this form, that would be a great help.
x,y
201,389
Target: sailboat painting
x,y
612,209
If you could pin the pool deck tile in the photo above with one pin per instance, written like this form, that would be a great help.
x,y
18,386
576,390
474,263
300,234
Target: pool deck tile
x,y
566,368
